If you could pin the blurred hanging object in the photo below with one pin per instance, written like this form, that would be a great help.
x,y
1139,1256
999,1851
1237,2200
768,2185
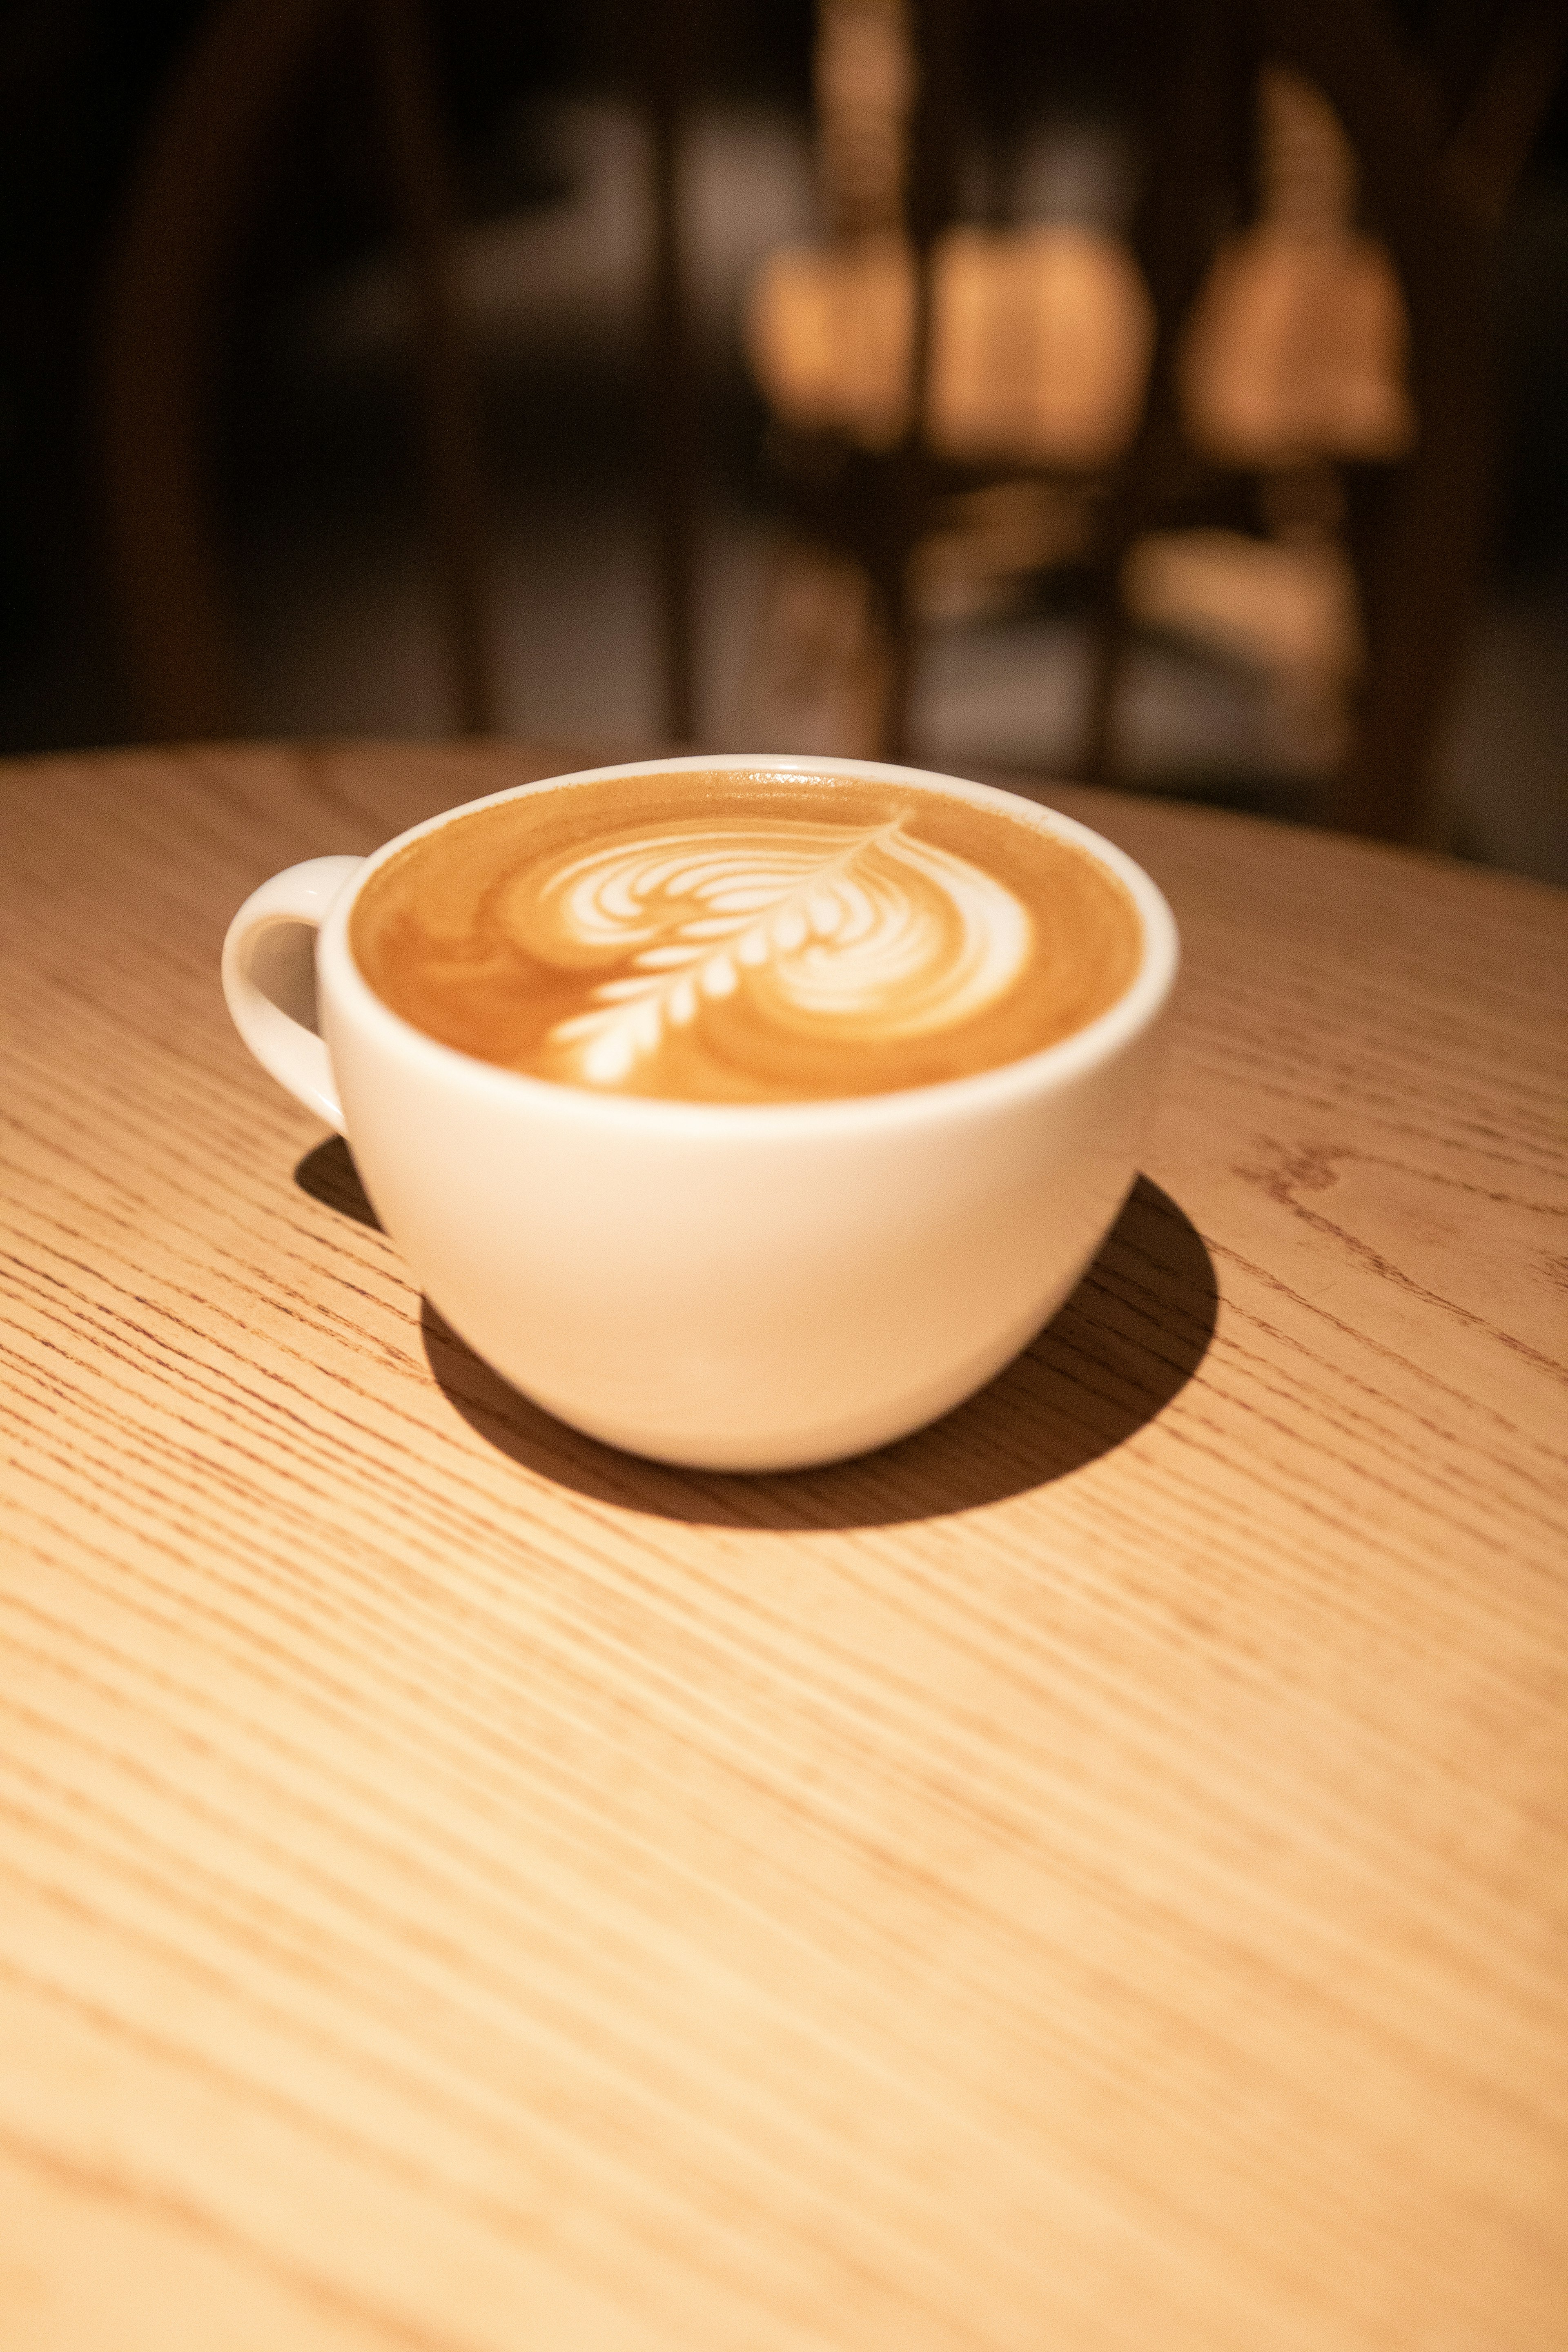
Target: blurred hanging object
x,y
1297,344
1296,353
1040,335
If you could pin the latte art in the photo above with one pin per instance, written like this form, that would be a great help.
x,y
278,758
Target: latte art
x,y
873,935
743,936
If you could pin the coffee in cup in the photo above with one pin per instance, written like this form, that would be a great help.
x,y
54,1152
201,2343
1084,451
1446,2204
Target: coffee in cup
x,y
742,935
746,1113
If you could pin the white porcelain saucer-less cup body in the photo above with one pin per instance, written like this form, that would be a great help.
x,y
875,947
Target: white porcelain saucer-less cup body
x,y
733,1287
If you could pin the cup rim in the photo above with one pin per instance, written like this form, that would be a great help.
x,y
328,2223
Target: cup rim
x,y
1048,1068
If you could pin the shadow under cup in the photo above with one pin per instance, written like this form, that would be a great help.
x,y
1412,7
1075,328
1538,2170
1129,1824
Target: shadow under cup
x,y
1115,1355
754,1286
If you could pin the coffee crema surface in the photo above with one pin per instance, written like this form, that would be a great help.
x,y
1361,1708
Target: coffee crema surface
x,y
742,936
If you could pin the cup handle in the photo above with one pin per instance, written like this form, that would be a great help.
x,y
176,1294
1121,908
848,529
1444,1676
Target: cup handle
x,y
270,978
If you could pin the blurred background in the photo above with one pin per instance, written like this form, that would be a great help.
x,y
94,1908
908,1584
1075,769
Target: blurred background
x,y
1088,388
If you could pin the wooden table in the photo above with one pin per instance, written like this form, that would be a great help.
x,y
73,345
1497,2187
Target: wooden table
x,y
1093,1875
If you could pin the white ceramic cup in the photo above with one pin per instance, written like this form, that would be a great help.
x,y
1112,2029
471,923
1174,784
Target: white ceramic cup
x,y
731,1287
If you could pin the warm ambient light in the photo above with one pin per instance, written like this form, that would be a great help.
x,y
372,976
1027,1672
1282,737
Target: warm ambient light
x,y
1040,343
1296,348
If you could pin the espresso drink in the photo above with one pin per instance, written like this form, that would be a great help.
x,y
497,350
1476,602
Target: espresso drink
x,y
741,936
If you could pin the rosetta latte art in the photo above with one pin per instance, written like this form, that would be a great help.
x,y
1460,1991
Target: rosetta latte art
x,y
786,930
745,935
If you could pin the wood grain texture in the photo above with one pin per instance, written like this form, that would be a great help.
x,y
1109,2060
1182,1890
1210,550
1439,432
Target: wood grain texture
x,y
1091,1875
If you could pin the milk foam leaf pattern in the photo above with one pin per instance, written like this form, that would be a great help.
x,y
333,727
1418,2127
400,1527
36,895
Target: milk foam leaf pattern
x,y
871,934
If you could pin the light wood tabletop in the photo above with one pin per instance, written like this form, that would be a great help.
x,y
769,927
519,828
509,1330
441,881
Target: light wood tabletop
x,y
1091,1875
